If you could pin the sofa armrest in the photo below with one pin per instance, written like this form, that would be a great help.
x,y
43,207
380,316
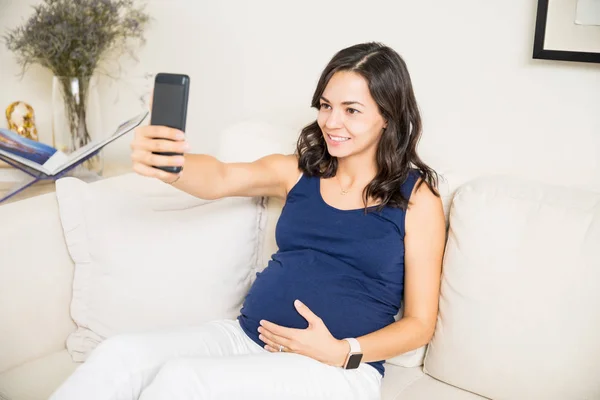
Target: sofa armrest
x,y
36,274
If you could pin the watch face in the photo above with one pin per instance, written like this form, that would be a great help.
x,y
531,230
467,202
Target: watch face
x,y
354,361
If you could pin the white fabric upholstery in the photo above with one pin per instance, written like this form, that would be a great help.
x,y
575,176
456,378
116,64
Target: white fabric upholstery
x,y
35,281
37,379
520,292
246,142
412,384
153,257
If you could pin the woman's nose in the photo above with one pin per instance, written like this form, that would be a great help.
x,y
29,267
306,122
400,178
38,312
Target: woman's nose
x,y
334,120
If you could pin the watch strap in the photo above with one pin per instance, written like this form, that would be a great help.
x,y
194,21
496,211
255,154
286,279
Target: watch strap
x,y
354,345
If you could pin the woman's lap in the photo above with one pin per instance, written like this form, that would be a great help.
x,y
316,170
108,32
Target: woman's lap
x,y
217,353
267,376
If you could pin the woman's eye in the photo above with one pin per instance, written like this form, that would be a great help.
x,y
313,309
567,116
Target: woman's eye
x,y
353,110
325,106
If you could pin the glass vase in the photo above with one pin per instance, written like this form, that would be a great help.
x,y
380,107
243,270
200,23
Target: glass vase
x,y
76,119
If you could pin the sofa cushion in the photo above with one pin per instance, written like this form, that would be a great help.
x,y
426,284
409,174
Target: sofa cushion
x,y
148,256
520,292
412,384
247,141
37,379
35,274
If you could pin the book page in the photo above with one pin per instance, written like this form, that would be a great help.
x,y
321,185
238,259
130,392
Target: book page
x,y
92,147
24,150
56,160
23,161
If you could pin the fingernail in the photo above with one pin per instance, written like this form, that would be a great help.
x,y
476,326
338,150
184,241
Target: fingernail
x,y
261,322
259,329
298,303
180,135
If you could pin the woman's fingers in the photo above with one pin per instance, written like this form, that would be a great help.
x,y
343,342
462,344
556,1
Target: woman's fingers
x,y
157,160
159,145
271,345
159,132
146,170
149,140
274,341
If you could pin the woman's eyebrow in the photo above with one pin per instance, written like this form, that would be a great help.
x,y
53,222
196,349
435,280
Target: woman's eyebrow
x,y
346,103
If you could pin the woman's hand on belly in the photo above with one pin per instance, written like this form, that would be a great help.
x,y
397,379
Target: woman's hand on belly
x,y
315,341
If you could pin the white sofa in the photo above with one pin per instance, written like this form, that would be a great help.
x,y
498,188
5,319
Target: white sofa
x,y
519,304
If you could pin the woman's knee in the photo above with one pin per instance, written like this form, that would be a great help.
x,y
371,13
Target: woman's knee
x,y
116,348
174,379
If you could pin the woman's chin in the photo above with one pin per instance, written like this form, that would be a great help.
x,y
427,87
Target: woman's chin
x,y
335,151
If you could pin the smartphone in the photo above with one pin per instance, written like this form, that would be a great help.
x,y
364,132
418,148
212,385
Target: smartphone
x,y
169,106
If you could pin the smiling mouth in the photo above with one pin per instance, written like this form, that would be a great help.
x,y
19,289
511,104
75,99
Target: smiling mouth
x,y
338,138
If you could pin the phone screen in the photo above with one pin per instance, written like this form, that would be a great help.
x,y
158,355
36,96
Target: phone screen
x,y
168,105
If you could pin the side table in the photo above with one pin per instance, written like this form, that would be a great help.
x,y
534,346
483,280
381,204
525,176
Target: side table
x,y
42,187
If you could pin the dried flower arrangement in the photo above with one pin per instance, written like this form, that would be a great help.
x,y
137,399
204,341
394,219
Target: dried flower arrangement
x,y
72,38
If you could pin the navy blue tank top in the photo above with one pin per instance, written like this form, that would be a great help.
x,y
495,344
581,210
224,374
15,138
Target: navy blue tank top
x,y
345,265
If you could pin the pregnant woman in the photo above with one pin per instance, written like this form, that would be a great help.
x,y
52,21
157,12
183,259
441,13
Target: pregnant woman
x,y
361,233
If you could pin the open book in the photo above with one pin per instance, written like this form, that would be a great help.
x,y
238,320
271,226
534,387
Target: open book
x,y
16,149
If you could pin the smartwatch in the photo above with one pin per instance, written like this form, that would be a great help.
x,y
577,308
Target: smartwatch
x,y
354,356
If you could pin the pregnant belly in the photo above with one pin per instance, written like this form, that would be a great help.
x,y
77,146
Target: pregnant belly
x,y
342,299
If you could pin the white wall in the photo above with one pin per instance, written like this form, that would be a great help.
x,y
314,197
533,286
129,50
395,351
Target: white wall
x,y
487,106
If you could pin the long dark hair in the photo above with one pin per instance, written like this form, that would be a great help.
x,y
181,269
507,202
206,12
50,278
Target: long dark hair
x,y
391,88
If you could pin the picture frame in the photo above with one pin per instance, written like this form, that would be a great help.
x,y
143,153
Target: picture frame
x,y
558,38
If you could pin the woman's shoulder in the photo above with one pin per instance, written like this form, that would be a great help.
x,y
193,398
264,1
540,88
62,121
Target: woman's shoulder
x,y
425,213
421,194
410,182
416,189
415,173
276,168
289,170
284,164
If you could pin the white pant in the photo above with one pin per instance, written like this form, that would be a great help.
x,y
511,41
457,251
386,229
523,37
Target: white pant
x,y
213,361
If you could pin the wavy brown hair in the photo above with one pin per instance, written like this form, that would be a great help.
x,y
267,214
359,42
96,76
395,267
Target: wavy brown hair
x,y
391,88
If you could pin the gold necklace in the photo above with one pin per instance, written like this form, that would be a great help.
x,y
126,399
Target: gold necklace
x,y
342,190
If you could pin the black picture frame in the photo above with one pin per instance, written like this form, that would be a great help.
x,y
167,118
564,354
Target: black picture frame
x,y
538,43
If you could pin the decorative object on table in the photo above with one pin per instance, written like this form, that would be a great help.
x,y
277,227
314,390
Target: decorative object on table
x,y
73,38
567,30
42,162
21,119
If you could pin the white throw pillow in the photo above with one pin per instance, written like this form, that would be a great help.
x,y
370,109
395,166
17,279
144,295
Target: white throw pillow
x,y
520,292
148,256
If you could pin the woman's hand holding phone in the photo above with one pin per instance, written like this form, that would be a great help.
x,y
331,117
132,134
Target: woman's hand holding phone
x,y
157,149
158,139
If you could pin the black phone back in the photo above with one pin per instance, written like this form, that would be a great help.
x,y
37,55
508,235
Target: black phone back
x,y
169,105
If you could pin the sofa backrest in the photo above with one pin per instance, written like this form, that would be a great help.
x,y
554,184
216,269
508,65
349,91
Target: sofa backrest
x,y
520,292
35,281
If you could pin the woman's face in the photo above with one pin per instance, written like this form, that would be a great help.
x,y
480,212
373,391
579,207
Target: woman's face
x,y
349,117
